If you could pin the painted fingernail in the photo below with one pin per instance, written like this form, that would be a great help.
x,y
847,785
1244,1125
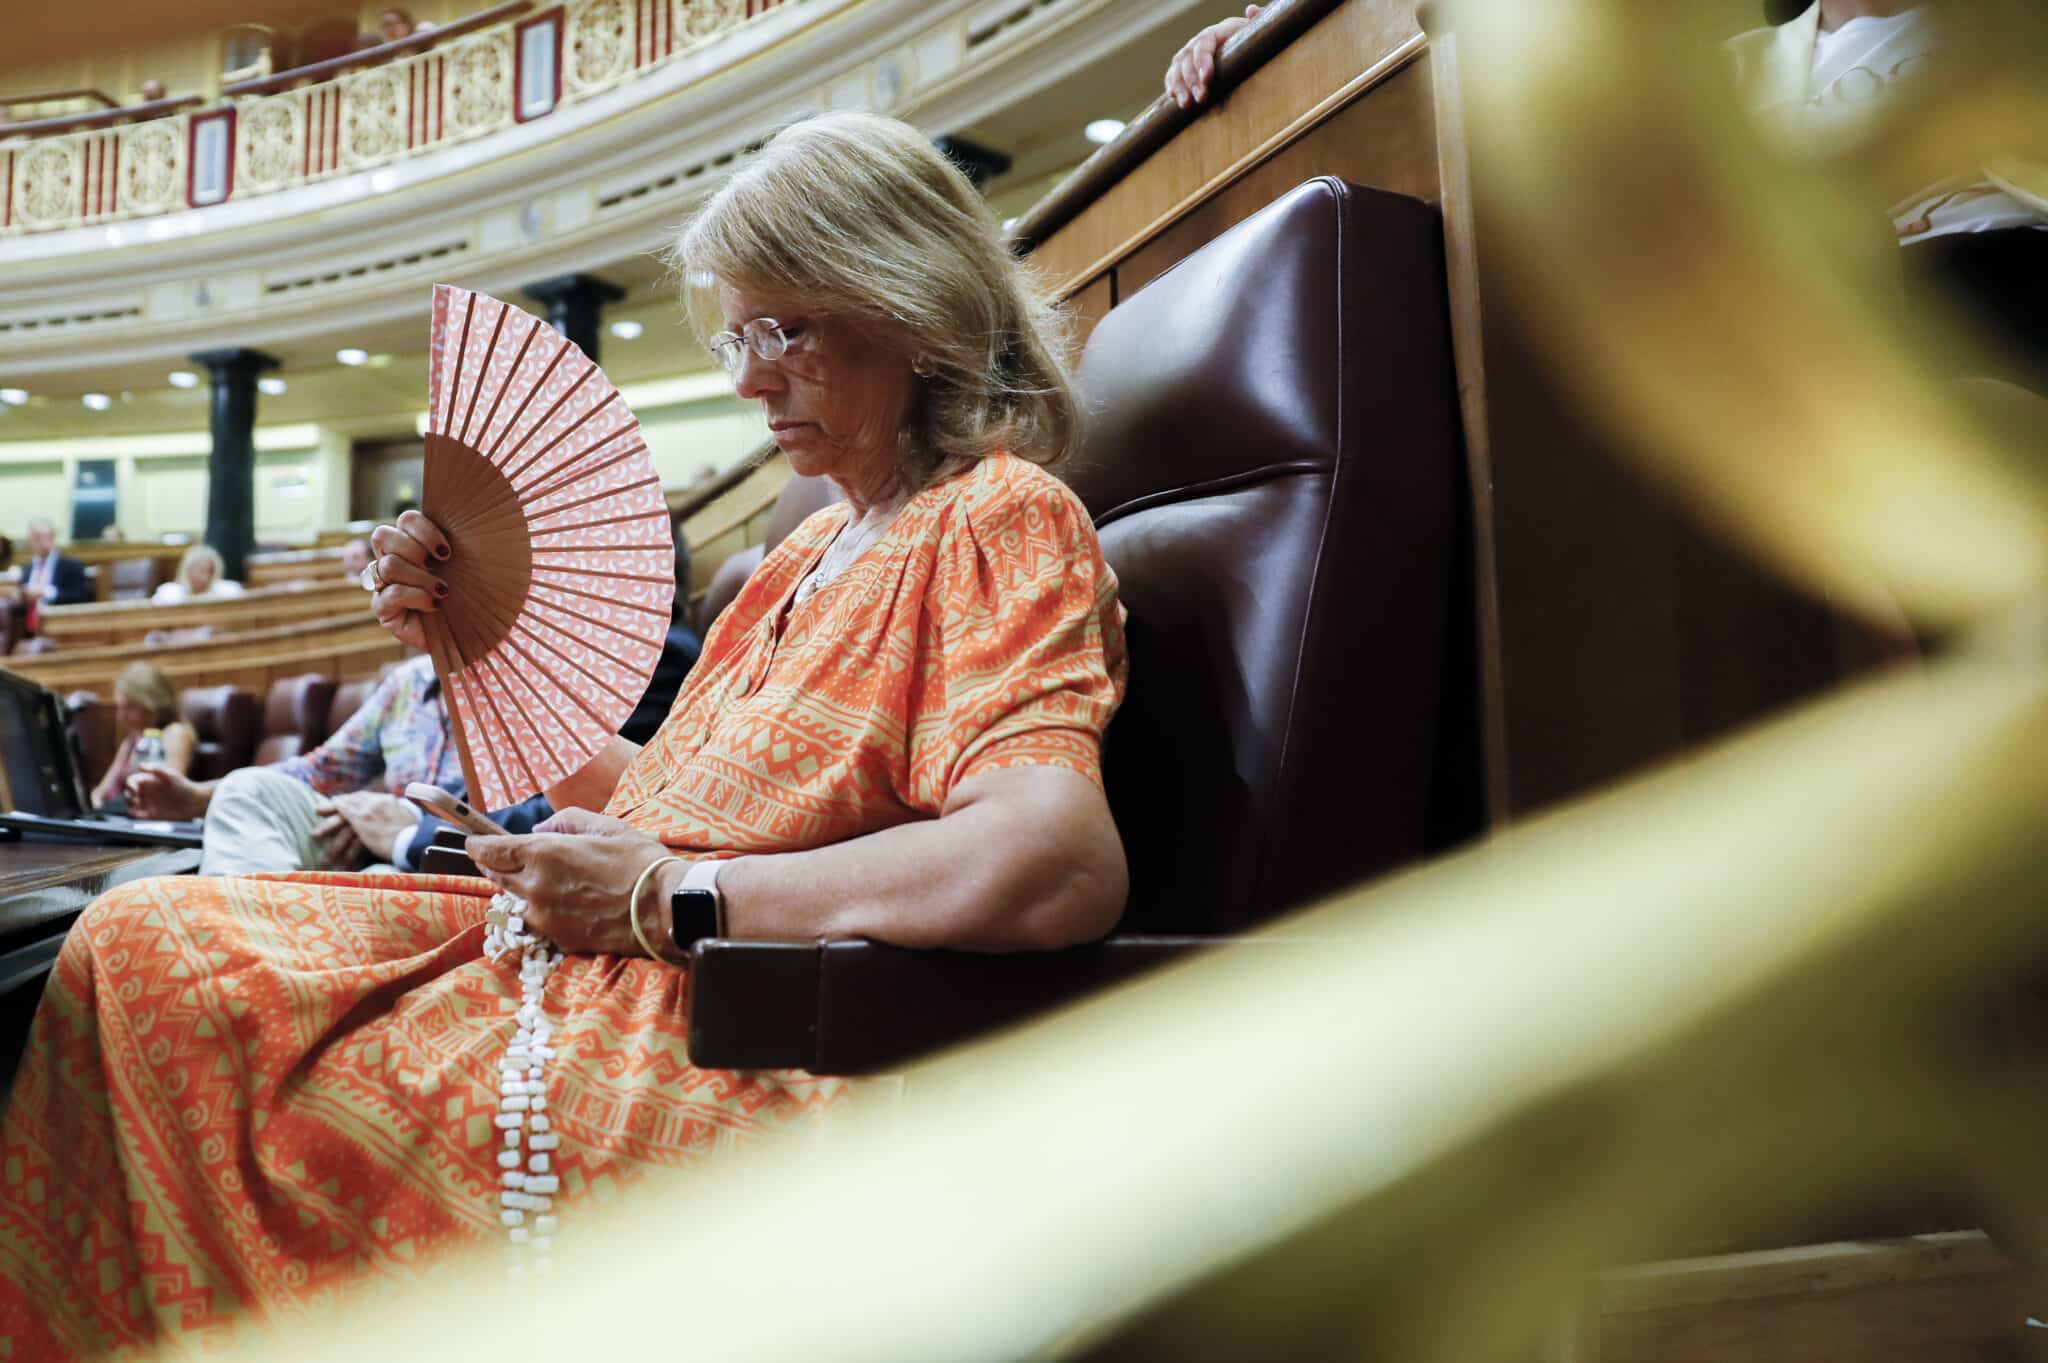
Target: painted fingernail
x,y
440,551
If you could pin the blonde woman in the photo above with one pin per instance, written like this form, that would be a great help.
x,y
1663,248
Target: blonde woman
x,y
144,700
894,732
200,578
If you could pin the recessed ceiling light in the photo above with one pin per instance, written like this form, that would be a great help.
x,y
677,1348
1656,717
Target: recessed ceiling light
x,y
627,331
352,356
99,402
1103,130
183,378
274,387
13,397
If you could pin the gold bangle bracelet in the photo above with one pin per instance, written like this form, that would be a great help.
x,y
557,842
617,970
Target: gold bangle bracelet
x,y
633,908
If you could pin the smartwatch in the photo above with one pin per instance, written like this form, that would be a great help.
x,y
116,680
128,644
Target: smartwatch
x,y
696,910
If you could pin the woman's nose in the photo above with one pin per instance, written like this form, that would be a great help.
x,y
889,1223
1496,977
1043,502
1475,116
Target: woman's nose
x,y
756,377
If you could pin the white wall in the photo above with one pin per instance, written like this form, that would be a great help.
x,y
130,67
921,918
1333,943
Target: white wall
x,y
161,482
693,426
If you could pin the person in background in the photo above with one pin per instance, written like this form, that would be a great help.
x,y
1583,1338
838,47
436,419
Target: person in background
x,y
6,554
395,24
1194,66
355,556
143,699
200,578
113,534
339,806
151,90
51,579
1976,240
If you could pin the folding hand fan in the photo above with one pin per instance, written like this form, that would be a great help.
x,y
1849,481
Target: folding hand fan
x,y
562,572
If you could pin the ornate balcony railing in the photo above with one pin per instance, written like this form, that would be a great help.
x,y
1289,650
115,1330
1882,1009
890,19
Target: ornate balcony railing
x,y
509,73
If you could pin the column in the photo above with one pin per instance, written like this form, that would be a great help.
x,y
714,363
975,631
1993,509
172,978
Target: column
x,y
575,304
231,472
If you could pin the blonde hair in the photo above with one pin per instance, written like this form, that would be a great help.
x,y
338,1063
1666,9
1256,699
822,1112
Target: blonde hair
x,y
864,220
200,553
145,683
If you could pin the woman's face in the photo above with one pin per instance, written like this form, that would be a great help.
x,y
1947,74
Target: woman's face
x,y
835,402
199,576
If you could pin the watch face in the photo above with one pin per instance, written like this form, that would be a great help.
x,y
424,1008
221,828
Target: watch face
x,y
693,916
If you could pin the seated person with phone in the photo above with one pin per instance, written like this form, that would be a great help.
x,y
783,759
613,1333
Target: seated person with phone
x,y
337,807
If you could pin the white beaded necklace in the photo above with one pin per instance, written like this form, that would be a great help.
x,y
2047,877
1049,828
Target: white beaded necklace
x,y
522,1090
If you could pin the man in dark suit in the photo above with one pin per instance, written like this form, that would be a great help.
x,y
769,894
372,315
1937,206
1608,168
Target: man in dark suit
x,y
51,578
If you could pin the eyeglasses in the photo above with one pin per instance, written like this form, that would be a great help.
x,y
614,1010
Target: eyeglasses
x,y
765,336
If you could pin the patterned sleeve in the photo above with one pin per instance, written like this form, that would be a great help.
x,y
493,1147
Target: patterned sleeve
x,y
1021,646
353,755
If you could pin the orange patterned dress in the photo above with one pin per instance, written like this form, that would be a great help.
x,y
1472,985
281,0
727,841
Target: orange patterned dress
x,y
244,1095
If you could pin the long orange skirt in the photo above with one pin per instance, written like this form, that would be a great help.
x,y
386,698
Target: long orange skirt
x,y
246,1095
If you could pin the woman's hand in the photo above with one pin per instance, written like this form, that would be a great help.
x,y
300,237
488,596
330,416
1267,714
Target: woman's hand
x,y
159,793
1189,73
403,554
575,883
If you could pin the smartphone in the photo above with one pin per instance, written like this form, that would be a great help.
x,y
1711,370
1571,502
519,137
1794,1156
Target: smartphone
x,y
442,805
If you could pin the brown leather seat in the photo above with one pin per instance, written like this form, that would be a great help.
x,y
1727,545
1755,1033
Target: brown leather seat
x,y
132,579
295,717
1272,460
92,725
348,698
226,718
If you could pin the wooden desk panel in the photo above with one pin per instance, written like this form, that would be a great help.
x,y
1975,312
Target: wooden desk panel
x,y
42,882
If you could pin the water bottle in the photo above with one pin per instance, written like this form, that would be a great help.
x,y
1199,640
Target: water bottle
x,y
149,749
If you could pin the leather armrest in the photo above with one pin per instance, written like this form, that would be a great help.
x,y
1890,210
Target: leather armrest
x,y
860,1007
447,855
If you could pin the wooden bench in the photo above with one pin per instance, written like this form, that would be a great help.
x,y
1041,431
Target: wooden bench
x,y
128,622
318,565
343,647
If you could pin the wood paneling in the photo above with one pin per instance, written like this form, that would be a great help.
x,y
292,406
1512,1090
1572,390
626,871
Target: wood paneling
x,y
126,622
351,646
1951,1296
1385,138
1358,44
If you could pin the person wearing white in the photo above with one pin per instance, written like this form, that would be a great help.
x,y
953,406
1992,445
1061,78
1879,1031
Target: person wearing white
x,y
1980,236
199,579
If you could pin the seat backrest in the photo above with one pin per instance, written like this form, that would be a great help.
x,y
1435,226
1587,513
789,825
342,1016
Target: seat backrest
x,y
92,725
132,578
294,717
348,698
1271,456
226,718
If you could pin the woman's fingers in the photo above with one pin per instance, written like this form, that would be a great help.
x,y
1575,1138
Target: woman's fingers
x,y
402,624
425,533
585,823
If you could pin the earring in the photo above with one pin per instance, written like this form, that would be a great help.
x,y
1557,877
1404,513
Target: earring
x,y
922,367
